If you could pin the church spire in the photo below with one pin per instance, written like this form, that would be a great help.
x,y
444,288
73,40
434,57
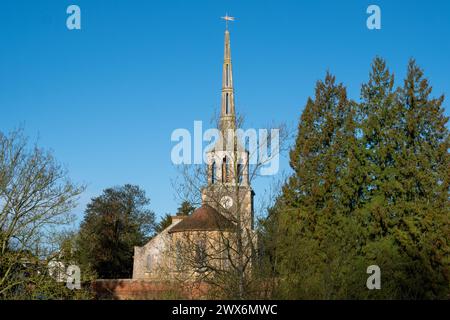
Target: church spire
x,y
227,114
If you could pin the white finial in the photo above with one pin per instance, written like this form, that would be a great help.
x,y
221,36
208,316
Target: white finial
x,y
227,18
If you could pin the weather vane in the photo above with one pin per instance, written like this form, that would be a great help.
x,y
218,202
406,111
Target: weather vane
x,y
227,18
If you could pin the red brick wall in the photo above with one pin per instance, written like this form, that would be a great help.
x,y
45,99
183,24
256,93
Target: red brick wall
x,y
129,289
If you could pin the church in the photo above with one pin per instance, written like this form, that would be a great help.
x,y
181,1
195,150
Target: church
x,y
220,234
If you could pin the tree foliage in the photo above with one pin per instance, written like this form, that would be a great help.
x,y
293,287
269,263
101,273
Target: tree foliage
x,y
370,186
114,223
36,196
185,209
165,222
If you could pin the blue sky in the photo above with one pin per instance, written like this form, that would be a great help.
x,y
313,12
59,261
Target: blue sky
x,y
106,98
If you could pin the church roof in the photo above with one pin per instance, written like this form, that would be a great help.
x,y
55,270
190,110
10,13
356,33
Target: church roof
x,y
205,218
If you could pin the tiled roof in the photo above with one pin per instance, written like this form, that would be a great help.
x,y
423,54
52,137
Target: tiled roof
x,y
205,218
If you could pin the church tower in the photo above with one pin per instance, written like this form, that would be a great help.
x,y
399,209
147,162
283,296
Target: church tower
x,y
228,189
223,226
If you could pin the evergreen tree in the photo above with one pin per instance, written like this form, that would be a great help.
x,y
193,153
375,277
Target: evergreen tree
x,y
164,223
422,204
370,186
406,145
314,209
185,209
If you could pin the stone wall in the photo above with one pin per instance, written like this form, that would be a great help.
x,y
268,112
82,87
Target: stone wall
x,y
149,258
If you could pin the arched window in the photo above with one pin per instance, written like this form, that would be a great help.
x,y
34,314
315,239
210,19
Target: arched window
x,y
149,262
224,254
213,173
227,75
179,256
240,173
227,104
200,256
225,170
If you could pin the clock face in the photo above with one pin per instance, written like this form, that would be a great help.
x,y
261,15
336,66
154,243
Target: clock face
x,y
226,202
